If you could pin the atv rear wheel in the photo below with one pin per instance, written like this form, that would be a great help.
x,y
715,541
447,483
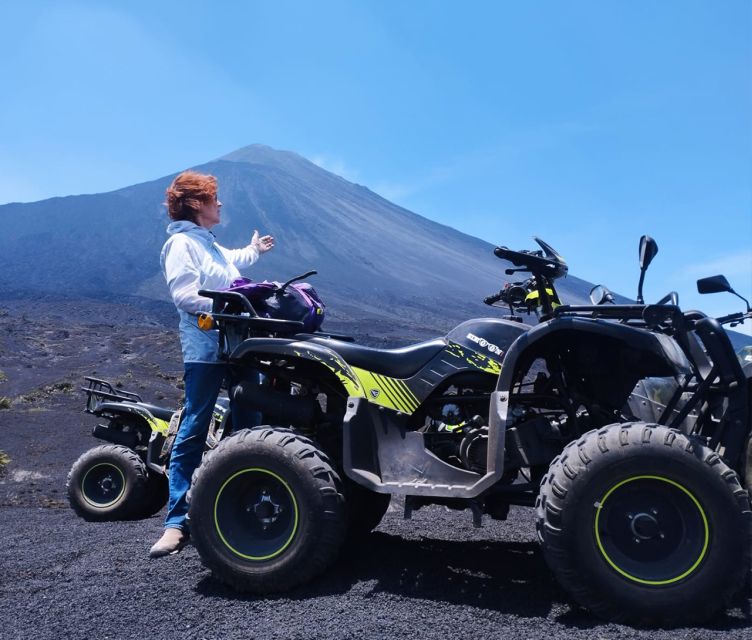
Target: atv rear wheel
x,y
642,525
266,511
108,482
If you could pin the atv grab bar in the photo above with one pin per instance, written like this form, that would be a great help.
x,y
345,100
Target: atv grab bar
x,y
103,390
228,297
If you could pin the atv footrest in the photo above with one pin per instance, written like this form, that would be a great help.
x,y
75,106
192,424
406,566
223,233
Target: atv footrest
x,y
381,454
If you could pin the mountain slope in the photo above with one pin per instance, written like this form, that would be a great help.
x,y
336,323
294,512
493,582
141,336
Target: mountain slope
x,y
375,259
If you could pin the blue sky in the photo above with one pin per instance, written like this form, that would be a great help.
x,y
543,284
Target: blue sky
x,y
589,122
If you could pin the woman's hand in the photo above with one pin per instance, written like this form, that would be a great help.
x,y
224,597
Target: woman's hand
x,y
263,243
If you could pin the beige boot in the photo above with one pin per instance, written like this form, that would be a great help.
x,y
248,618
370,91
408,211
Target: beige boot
x,y
172,541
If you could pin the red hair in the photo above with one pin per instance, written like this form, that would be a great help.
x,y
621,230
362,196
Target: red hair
x,y
188,192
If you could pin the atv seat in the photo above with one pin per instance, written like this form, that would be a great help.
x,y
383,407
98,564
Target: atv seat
x,y
157,412
395,363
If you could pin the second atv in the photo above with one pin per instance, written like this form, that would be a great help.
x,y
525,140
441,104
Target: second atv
x,y
126,477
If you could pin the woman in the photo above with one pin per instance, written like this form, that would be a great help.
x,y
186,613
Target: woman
x,y
191,260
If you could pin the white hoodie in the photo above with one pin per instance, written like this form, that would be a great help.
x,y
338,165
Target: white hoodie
x,y
191,260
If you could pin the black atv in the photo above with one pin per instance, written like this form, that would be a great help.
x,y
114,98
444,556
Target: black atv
x,y
626,426
127,477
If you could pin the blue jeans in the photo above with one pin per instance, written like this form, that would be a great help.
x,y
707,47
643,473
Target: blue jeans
x,y
202,384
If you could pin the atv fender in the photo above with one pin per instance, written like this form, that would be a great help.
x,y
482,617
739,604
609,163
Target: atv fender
x,y
281,347
157,426
378,452
111,409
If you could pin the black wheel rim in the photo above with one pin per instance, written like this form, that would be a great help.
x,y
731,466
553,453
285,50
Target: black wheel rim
x,y
256,514
103,485
651,530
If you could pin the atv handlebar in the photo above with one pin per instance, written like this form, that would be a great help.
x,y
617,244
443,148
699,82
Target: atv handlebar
x,y
543,262
655,316
527,260
307,274
735,318
491,300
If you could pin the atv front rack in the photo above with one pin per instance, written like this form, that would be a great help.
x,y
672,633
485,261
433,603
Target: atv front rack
x,y
102,390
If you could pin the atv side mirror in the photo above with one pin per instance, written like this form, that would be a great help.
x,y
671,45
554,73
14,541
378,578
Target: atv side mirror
x,y
648,250
718,284
600,295
714,284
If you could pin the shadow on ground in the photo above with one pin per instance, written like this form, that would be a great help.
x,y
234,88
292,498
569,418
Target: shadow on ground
x,y
499,576
494,576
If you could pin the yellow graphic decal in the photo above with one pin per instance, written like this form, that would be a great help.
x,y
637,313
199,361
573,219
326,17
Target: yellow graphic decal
x,y
474,358
391,393
339,368
533,297
155,424
484,363
455,350
402,392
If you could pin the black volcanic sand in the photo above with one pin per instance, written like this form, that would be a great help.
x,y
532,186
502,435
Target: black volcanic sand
x,y
434,576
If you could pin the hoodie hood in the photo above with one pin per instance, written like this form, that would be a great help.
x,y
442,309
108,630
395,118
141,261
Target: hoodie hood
x,y
186,226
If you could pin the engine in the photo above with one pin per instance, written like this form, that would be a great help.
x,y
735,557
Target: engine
x,y
455,423
455,428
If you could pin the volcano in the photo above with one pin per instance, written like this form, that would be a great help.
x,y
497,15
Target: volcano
x,y
377,262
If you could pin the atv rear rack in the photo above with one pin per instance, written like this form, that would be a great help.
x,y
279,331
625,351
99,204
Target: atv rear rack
x,y
103,390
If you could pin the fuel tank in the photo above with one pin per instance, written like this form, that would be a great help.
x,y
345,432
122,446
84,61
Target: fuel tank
x,y
490,337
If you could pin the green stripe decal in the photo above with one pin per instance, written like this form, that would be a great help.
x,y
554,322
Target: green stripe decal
x,y
392,393
411,394
408,398
634,578
393,389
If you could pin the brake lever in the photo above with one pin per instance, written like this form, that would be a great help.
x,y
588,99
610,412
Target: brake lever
x,y
492,300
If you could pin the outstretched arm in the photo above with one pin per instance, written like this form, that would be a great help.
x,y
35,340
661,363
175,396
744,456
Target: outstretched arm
x,y
245,257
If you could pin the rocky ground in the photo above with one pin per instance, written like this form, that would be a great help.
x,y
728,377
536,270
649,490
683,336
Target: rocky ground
x,y
434,576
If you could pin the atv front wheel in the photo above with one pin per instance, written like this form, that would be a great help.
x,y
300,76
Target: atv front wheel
x,y
107,482
266,511
644,526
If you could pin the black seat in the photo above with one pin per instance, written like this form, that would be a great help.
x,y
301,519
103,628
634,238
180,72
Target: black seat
x,y
395,363
157,412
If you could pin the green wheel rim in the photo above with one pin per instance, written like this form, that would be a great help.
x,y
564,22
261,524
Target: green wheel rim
x,y
256,514
100,484
681,533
